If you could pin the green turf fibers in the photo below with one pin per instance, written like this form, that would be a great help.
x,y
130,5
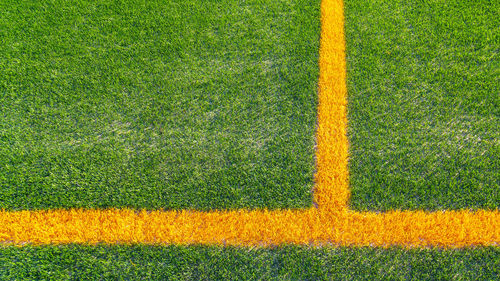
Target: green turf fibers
x,y
229,263
173,104
424,104
104,103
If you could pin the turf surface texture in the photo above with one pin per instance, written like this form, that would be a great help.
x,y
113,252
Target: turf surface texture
x,y
227,263
158,104
424,104
404,122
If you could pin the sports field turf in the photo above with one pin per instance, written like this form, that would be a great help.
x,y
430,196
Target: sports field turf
x,y
228,263
391,106
424,104
158,104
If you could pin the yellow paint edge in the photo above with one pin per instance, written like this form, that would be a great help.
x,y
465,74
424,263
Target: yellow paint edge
x,y
330,223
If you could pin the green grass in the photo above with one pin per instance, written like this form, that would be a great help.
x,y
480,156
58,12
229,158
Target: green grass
x,y
212,104
229,263
177,104
424,104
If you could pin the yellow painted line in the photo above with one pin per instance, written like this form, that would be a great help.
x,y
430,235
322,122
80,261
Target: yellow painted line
x,y
332,177
331,223
256,228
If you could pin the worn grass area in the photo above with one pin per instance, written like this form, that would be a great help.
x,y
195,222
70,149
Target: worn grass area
x,y
424,104
158,104
229,263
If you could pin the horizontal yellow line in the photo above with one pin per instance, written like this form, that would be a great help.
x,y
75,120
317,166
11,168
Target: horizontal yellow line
x,y
330,222
257,228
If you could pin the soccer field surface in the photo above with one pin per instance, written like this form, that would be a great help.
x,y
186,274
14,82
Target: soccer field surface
x,y
266,160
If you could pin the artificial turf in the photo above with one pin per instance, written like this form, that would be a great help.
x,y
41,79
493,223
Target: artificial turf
x,y
177,104
86,120
72,262
424,104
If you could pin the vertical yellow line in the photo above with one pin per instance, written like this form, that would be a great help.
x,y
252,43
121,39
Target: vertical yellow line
x,y
332,185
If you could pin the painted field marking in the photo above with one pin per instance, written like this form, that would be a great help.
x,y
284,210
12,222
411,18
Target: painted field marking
x,y
331,222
